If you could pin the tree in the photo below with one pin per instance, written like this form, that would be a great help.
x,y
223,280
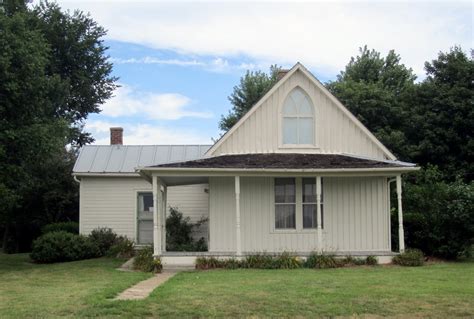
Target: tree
x,y
441,118
78,56
376,90
53,73
253,85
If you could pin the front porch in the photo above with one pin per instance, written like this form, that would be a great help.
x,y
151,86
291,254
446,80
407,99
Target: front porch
x,y
342,211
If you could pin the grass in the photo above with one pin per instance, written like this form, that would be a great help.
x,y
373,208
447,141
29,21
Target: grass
x,y
84,289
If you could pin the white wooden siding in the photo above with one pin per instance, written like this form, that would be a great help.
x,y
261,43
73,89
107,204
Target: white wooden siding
x,y
112,202
335,132
356,218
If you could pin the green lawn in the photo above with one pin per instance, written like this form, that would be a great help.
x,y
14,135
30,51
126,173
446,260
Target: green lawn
x,y
84,289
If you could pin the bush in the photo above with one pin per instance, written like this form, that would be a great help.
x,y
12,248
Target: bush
x,y
144,261
287,261
70,227
351,261
259,261
63,246
104,238
438,215
371,261
321,261
122,248
179,231
411,257
204,263
231,263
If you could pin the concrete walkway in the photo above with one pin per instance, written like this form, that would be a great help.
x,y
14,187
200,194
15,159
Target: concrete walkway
x,y
144,288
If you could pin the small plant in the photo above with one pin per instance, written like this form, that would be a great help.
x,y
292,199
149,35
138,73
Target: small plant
x,y
144,261
259,261
70,227
104,238
321,261
204,263
63,246
411,257
287,261
122,248
231,263
371,261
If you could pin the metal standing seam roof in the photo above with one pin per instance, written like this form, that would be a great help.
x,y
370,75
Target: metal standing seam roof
x,y
126,158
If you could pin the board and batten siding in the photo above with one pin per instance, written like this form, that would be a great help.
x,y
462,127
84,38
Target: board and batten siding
x,y
112,202
356,217
335,132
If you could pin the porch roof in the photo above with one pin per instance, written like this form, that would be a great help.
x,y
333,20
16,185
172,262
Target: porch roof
x,y
285,161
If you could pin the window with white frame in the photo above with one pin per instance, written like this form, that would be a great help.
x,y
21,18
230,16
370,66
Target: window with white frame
x,y
297,197
145,218
309,202
298,119
285,203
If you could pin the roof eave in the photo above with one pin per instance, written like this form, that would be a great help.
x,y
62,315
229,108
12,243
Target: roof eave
x,y
265,171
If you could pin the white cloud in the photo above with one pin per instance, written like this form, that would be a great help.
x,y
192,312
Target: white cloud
x,y
166,106
322,35
214,65
145,134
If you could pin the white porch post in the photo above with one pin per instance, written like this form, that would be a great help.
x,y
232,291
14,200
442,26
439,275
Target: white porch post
x,y
238,245
157,204
163,224
401,232
318,213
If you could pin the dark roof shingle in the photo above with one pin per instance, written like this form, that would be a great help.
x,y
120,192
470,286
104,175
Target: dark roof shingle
x,y
283,161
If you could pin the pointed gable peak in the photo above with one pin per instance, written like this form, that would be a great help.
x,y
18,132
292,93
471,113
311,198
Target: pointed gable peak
x,y
312,80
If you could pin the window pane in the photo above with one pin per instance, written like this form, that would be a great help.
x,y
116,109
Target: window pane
x,y
285,216
285,190
305,128
309,216
145,204
306,107
290,127
298,96
145,232
309,190
290,107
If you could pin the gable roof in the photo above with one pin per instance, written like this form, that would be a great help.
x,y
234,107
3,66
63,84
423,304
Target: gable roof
x,y
286,161
299,67
126,158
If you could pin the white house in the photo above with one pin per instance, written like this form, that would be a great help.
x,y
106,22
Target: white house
x,y
297,173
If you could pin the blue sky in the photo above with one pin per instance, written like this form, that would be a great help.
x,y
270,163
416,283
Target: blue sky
x,y
178,61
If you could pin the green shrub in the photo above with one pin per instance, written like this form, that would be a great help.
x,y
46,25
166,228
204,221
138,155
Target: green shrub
x,y
231,263
287,261
70,227
122,248
144,260
321,261
259,261
437,215
63,246
104,238
371,261
204,263
411,257
179,231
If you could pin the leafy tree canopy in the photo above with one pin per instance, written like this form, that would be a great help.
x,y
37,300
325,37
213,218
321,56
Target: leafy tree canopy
x,y
376,89
441,121
252,86
54,72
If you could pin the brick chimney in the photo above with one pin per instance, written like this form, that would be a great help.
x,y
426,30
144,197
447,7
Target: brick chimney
x,y
281,74
116,136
